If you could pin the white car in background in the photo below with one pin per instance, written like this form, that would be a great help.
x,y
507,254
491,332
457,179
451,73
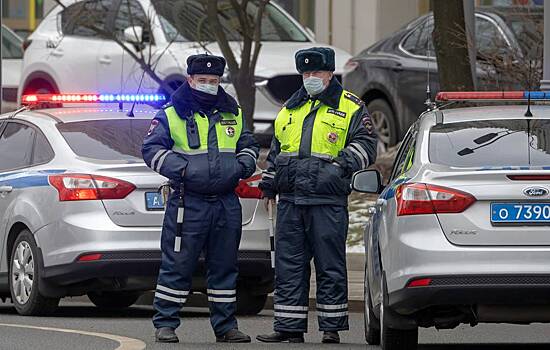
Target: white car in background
x,y
64,55
12,58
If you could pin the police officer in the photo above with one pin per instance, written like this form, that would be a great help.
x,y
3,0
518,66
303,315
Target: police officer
x,y
200,143
323,135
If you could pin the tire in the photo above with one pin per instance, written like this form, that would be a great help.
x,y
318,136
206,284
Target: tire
x,y
249,304
383,119
395,339
113,300
371,322
24,278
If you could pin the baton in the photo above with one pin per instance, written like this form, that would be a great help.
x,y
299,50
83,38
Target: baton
x,y
271,232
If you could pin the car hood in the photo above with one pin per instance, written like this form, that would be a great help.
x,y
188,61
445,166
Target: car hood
x,y
276,58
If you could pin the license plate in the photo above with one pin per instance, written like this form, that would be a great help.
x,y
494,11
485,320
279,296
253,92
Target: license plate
x,y
528,213
154,201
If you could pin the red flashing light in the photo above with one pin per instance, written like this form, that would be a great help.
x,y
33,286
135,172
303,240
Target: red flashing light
x,y
446,96
422,282
76,187
419,198
529,177
90,257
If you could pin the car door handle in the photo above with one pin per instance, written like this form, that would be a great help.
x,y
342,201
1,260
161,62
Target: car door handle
x,y
397,67
105,60
6,189
57,52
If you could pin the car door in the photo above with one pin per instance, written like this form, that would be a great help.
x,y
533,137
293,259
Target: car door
x,y
118,71
74,56
16,142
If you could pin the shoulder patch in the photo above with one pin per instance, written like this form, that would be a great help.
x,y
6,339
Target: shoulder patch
x,y
154,124
353,98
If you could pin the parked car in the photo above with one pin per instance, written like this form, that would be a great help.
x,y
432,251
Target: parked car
x,y
12,59
391,76
80,213
459,235
80,60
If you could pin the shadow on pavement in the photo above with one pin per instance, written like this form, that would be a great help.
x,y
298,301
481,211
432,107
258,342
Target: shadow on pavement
x,y
483,346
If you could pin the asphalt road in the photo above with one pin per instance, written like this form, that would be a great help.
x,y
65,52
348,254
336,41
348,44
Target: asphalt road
x,y
132,330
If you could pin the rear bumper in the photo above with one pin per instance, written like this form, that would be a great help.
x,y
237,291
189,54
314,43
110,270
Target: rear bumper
x,y
473,290
127,267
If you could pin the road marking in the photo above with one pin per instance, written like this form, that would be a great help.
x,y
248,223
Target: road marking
x,y
125,342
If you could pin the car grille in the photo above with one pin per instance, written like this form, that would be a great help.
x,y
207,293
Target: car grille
x,y
490,280
283,86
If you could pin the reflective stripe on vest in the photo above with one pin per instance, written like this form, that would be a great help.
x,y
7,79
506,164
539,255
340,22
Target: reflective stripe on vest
x,y
228,131
330,128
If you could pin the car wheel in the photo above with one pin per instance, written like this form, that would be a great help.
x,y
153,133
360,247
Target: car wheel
x,y
248,303
383,119
24,272
372,324
113,300
395,339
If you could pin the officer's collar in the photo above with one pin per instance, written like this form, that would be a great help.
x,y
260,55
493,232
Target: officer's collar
x,y
186,106
330,96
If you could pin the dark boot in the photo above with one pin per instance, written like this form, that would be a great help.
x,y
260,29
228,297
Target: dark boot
x,y
233,336
331,338
279,337
166,335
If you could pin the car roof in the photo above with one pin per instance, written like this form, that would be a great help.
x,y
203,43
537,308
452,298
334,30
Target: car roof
x,y
493,112
84,113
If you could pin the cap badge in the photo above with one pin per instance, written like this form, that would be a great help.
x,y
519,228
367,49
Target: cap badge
x,y
209,64
306,61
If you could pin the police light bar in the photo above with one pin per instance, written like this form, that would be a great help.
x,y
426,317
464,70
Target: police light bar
x,y
91,98
448,96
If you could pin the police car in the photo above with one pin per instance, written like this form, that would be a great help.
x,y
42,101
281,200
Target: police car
x,y
80,212
461,232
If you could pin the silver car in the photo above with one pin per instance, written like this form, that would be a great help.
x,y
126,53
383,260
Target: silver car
x,y
461,232
80,213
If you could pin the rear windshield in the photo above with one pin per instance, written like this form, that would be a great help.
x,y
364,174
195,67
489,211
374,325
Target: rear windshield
x,y
114,139
500,143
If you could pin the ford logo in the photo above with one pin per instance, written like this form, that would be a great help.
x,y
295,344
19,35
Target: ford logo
x,y
535,191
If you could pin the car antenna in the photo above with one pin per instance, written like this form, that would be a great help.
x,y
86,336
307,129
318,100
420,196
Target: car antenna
x,y
131,111
528,112
429,103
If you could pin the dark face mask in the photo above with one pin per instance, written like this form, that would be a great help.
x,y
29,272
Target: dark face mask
x,y
206,101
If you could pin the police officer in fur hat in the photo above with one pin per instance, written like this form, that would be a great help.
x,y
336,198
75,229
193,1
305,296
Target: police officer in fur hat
x,y
323,134
200,142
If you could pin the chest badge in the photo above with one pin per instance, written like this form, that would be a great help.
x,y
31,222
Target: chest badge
x,y
332,137
230,131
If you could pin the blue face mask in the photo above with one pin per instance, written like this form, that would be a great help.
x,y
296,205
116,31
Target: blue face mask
x,y
207,88
314,86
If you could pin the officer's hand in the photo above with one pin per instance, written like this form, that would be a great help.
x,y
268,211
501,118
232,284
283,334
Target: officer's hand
x,y
268,202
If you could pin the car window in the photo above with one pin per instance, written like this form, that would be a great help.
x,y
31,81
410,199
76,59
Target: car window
x,y
11,46
42,152
489,40
419,41
114,139
475,144
130,13
189,19
87,18
403,154
16,146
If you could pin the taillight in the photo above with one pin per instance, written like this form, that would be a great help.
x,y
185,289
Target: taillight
x,y
76,187
248,188
26,43
419,198
534,177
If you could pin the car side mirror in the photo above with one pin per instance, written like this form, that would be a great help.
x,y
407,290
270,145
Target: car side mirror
x,y
134,35
367,181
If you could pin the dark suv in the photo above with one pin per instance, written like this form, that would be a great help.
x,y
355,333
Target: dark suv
x,y
391,75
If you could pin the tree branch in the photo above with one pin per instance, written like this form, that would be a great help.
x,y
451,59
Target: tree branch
x,y
258,35
212,12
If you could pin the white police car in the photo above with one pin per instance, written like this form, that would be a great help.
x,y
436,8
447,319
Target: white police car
x,y
80,212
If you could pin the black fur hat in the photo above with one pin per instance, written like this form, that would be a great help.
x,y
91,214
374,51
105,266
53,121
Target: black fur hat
x,y
205,64
315,58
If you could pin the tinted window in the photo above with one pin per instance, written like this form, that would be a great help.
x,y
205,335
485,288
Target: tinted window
x,y
403,154
131,14
115,139
190,20
16,146
419,42
42,150
86,18
11,45
491,143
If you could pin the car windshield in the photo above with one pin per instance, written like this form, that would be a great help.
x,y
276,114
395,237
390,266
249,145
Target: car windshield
x,y
113,139
491,143
186,20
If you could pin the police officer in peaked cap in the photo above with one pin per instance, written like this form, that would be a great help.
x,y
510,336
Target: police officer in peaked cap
x,y
201,144
323,134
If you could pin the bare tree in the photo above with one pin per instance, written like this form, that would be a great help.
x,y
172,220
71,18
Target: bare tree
x,y
455,73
